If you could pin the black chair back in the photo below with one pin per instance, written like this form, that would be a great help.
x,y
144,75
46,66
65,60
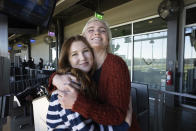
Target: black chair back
x,y
140,103
134,99
4,106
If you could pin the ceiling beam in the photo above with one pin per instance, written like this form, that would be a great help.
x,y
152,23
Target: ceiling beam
x,y
22,31
63,4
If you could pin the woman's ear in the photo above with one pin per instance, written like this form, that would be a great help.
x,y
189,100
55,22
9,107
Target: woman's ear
x,y
83,35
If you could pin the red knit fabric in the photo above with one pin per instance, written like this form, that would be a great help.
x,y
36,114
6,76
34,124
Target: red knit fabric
x,y
114,93
51,88
135,125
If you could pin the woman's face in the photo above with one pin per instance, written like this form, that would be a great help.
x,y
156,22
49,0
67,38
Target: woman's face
x,y
97,35
80,56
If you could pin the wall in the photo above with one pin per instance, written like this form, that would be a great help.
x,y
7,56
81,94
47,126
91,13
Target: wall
x,y
40,49
189,2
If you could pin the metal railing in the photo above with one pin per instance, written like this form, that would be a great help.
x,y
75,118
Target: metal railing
x,y
167,112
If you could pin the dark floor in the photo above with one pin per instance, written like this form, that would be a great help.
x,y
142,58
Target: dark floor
x,y
19,121
21,124
166,118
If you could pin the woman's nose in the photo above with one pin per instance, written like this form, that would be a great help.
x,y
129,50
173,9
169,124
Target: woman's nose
x,y
81,56
97,32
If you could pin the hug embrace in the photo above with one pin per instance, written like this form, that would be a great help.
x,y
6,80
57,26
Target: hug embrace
x,y
90,90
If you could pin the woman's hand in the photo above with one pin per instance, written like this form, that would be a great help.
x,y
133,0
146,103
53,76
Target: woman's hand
x,y
61,80
128,118
67,98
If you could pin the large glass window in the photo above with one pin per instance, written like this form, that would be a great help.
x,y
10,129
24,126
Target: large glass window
x,y
190,16
150,58
149,25
189,77
123,47
190,61
144,49
121,31
52,54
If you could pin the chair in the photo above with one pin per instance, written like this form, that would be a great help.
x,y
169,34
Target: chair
x,y
4,106
140,102
25,99
134,99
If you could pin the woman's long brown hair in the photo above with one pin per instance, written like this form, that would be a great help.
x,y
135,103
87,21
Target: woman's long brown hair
x,y
87,85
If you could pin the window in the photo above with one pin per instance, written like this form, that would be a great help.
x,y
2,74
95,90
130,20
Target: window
x,y
189,75
121,31
190,16
123,47
190,60
144,51
149,25
150,58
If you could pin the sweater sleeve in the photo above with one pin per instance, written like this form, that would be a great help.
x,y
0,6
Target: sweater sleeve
x,y
51,88
115,94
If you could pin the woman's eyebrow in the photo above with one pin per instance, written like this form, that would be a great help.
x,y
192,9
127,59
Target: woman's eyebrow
x,y
94,27
90,27
74,51
85,48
